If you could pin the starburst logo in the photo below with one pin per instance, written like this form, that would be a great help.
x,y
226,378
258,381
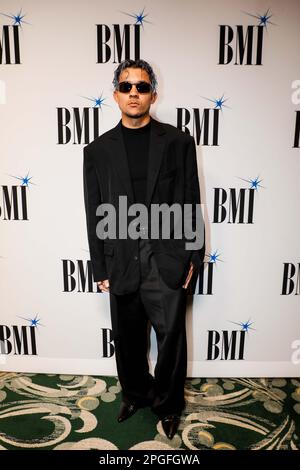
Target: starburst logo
x,y
218,102
17,19
35,322
213,257
97,102
139,17
263,20
254,183
245,326
25,179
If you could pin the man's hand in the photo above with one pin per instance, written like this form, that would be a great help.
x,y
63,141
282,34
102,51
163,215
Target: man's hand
x,y
188,278
103,285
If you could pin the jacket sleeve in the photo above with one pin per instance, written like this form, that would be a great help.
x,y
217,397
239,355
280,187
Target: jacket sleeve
x,y
92,199
192,196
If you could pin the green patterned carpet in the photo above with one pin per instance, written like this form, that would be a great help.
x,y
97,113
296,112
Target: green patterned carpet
x,y
39,411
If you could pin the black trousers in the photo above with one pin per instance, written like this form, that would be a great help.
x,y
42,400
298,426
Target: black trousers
x,y
153,303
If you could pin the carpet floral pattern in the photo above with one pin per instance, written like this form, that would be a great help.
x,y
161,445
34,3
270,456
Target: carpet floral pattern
x,y
39,411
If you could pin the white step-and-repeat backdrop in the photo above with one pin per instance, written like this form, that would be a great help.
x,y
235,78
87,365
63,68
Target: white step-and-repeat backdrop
x,y
229,74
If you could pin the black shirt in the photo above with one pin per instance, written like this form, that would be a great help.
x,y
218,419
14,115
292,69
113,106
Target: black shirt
x,y
137,148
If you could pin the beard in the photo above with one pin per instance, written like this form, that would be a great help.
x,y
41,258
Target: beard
x,y
138,115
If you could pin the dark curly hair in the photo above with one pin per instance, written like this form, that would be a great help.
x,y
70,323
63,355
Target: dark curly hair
x,y
136,64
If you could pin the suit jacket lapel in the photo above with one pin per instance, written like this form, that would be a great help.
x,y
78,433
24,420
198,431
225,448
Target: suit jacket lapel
x,y
120,162
156,148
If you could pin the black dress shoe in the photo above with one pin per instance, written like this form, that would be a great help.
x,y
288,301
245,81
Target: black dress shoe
x,y
170,425
127,410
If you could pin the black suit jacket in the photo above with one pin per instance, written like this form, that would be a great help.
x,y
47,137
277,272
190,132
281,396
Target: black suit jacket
x,y
172,178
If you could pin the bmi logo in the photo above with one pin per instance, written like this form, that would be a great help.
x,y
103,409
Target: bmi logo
x,y
14,204
119,42
296,100
10,39
203,284
80,125
236,205
19,339
77,276
243,45
228,344
108,349
291,279
205,124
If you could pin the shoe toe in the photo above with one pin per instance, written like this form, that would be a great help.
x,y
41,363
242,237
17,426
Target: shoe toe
x,y
127,410
170,425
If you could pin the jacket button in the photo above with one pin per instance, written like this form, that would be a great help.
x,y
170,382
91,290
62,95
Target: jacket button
x,y
135,258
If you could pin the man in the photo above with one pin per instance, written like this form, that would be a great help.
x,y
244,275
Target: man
x,y
149,163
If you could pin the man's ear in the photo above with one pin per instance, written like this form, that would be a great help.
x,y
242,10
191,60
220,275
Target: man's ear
x,y
154,97
115,95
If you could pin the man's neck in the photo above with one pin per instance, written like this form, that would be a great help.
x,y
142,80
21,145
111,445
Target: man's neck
x,y
135,123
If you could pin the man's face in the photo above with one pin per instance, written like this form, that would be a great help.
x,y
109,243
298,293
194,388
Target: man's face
x,y
134,104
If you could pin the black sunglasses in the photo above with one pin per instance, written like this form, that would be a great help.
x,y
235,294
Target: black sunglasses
x,y
142,87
